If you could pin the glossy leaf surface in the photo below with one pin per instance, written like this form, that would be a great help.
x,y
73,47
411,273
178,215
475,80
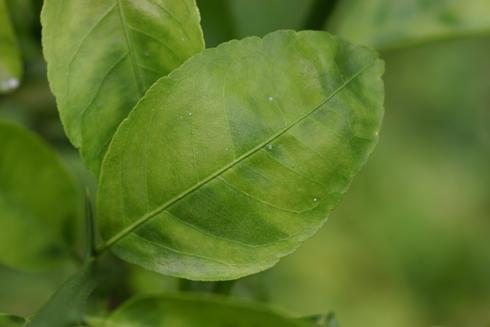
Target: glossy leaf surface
x,y
194,311
240,154
39,203
10,60
387,23
104,54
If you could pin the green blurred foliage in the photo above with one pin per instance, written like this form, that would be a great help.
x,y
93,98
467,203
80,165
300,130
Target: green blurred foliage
x,y
410,243
410,246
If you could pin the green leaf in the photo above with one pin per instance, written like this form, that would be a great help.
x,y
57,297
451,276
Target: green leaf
x,y
10,60
224,20
238,156
39,202
7,320
66,307
390,24
196,311
103,55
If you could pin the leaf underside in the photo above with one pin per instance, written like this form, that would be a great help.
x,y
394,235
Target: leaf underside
x,y
240,154
196,311
103,55
39,203
389,24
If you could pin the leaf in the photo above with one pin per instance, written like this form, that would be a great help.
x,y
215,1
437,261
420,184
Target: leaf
x,y
10,60
389,24
240,154
39,203
196,311
66,307
7,320
257,17
224,20
24,15
217,21
108,54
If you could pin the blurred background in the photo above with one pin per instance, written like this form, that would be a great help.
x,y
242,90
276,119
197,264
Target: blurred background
x,y
410,243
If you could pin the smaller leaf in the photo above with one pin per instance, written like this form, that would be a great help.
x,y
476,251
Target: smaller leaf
x,y
7,320
10,60
39,203
196,311
66,307
109,54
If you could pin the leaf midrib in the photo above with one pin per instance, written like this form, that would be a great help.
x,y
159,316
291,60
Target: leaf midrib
x,y
243,157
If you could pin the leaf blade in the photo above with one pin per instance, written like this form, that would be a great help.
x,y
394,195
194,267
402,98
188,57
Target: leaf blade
x,y
201,165
99,72
193,310
10,59
32,219
67,305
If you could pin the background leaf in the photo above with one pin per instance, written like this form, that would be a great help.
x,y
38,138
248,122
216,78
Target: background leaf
x,y
7,320
66,307
220,181
387,24
10,60
109,53
196,311
224,20
39,203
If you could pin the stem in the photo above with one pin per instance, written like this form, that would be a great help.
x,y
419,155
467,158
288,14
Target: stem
x,y
224,287
90,227
320,11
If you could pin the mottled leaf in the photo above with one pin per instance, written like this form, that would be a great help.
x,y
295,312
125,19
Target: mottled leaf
x,y
196,311
10,60
104,54
39,202
239,155
387,24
